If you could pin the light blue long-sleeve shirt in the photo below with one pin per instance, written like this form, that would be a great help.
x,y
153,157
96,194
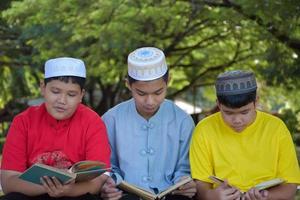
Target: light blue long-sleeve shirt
x,y
152,154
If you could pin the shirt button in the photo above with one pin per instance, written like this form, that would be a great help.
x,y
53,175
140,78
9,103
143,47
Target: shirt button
x,y
143,152
147,178
151,125
151,151
144,127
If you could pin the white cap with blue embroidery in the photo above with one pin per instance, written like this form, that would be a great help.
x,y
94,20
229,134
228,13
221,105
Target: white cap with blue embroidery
x,y
147,63
65,66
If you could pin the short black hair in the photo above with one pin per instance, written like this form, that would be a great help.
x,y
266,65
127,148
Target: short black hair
x,y
238,100
165,78
74,79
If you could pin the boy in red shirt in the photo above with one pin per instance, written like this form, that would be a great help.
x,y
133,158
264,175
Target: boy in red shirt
x,y
59,133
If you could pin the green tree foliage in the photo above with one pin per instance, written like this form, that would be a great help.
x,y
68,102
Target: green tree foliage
x,y
199,38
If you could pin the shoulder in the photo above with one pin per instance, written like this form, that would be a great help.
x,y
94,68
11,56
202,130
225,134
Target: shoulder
x,y
268,118
31,112
174,112
211,120
119,109
84,113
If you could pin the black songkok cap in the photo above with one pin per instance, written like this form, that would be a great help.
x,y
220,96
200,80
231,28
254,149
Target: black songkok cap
x,y
235,82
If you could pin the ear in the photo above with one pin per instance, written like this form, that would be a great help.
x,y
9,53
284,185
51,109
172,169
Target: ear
x,y
218,104
82,94
127,84
256,101
169,78
42,87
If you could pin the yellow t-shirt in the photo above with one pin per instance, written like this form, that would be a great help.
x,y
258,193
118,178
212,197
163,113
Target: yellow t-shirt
x,y
263,151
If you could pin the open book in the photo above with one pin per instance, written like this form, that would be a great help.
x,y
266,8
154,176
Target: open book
x,y
261,186
147,195
80,171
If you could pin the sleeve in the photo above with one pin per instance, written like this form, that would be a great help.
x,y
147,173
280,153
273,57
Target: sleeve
x,y
183,164
288,167
97,145
14,155
200,156
109,121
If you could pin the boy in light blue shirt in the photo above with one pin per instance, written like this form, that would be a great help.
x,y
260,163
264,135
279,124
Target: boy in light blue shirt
x,y
149,135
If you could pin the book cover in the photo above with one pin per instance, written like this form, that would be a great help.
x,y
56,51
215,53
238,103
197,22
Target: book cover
x,y
147,195
80,171
36,171
261,186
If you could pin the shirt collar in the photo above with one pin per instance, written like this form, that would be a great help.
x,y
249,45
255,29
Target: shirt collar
x,y
57,124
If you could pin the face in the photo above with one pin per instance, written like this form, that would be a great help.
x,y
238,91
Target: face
x,y
148,96
61,99
239,118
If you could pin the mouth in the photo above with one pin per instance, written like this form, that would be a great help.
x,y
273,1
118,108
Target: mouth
x,y
60,109
238,128
150,109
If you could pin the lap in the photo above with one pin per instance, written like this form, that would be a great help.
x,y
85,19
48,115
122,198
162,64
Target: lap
x,y
20,196
127,196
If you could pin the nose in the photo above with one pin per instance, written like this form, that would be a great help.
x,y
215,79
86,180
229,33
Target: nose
x,y
236,119
150,100
62,99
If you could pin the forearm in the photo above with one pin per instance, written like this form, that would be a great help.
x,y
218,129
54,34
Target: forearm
x,y
204,191
205,194
283,192
14,184
93,187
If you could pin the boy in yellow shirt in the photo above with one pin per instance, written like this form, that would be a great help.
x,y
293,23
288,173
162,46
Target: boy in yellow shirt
x,y
242,145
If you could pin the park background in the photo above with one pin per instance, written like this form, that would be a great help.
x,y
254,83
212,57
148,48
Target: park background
x,y
200,38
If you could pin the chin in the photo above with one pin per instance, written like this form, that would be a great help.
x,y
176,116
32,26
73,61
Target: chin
x,y
60,117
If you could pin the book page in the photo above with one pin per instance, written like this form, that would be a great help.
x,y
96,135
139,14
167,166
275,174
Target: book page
x,y
146,195
268,184
174,187
87,165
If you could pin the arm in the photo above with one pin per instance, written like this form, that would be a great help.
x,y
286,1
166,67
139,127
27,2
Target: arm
x,y
281,192
55,189
183,164
188,189
109,121
224,191
110,191
11,183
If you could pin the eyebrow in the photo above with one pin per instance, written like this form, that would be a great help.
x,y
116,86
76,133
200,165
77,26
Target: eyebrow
x,y
56,88
140,91
244,110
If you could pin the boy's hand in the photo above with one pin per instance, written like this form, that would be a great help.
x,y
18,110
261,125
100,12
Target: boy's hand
x,y
110,191
255,194
188,189
54,188
225,192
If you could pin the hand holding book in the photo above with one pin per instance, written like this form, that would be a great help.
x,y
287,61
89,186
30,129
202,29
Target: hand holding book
x,y
147,195
261,186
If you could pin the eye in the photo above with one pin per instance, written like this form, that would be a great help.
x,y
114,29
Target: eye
x,y
141,93
245,112
228,113
55,91
71,94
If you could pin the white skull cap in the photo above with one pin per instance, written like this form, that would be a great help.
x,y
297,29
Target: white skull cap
x,y
65,66
147,63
